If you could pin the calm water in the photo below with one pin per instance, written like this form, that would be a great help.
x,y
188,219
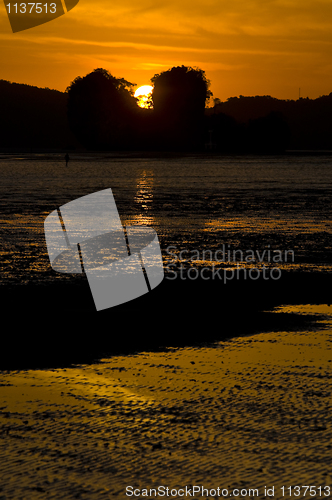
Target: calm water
x,y
197,205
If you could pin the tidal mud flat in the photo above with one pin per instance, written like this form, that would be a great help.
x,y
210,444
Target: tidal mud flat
x,y
246,412
197,204
196,383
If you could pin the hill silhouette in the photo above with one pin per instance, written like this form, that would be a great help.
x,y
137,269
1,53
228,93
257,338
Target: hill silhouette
x,y
308,120
99,112
33,118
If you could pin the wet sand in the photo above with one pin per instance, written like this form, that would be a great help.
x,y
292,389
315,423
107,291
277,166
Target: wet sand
x,y
156,391
245,412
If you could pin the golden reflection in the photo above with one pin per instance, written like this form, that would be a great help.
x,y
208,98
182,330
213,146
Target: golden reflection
x,y
319,309
144,193
140,219
144,198
258,224
244,404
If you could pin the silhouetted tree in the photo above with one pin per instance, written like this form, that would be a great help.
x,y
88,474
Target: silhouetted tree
x,y
100,108
179,98
104,115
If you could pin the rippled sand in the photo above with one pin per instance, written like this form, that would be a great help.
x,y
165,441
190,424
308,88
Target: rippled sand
x,y
247,412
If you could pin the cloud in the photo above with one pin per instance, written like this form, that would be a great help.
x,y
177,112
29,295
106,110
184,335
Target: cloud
x,y
259,43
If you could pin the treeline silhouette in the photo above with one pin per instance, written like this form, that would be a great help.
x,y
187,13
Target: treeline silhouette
x,y
99,112
33,118
269,123
103,113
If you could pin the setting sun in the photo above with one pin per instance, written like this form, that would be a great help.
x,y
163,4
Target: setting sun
x,y
143,95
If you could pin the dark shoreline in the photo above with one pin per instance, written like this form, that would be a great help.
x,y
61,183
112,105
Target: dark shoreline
x,y
35,153
57,325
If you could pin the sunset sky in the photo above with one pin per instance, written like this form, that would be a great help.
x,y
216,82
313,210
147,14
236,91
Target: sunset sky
x,y
248,47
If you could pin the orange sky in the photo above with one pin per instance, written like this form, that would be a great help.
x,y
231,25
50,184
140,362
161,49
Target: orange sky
x,y
248,47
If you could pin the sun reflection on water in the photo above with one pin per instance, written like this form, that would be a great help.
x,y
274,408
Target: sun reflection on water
x,y
143,199
144,193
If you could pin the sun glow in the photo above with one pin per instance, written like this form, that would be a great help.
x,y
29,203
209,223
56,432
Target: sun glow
x,y
144,96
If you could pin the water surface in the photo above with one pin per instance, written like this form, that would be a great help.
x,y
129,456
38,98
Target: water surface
x,y
195,203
